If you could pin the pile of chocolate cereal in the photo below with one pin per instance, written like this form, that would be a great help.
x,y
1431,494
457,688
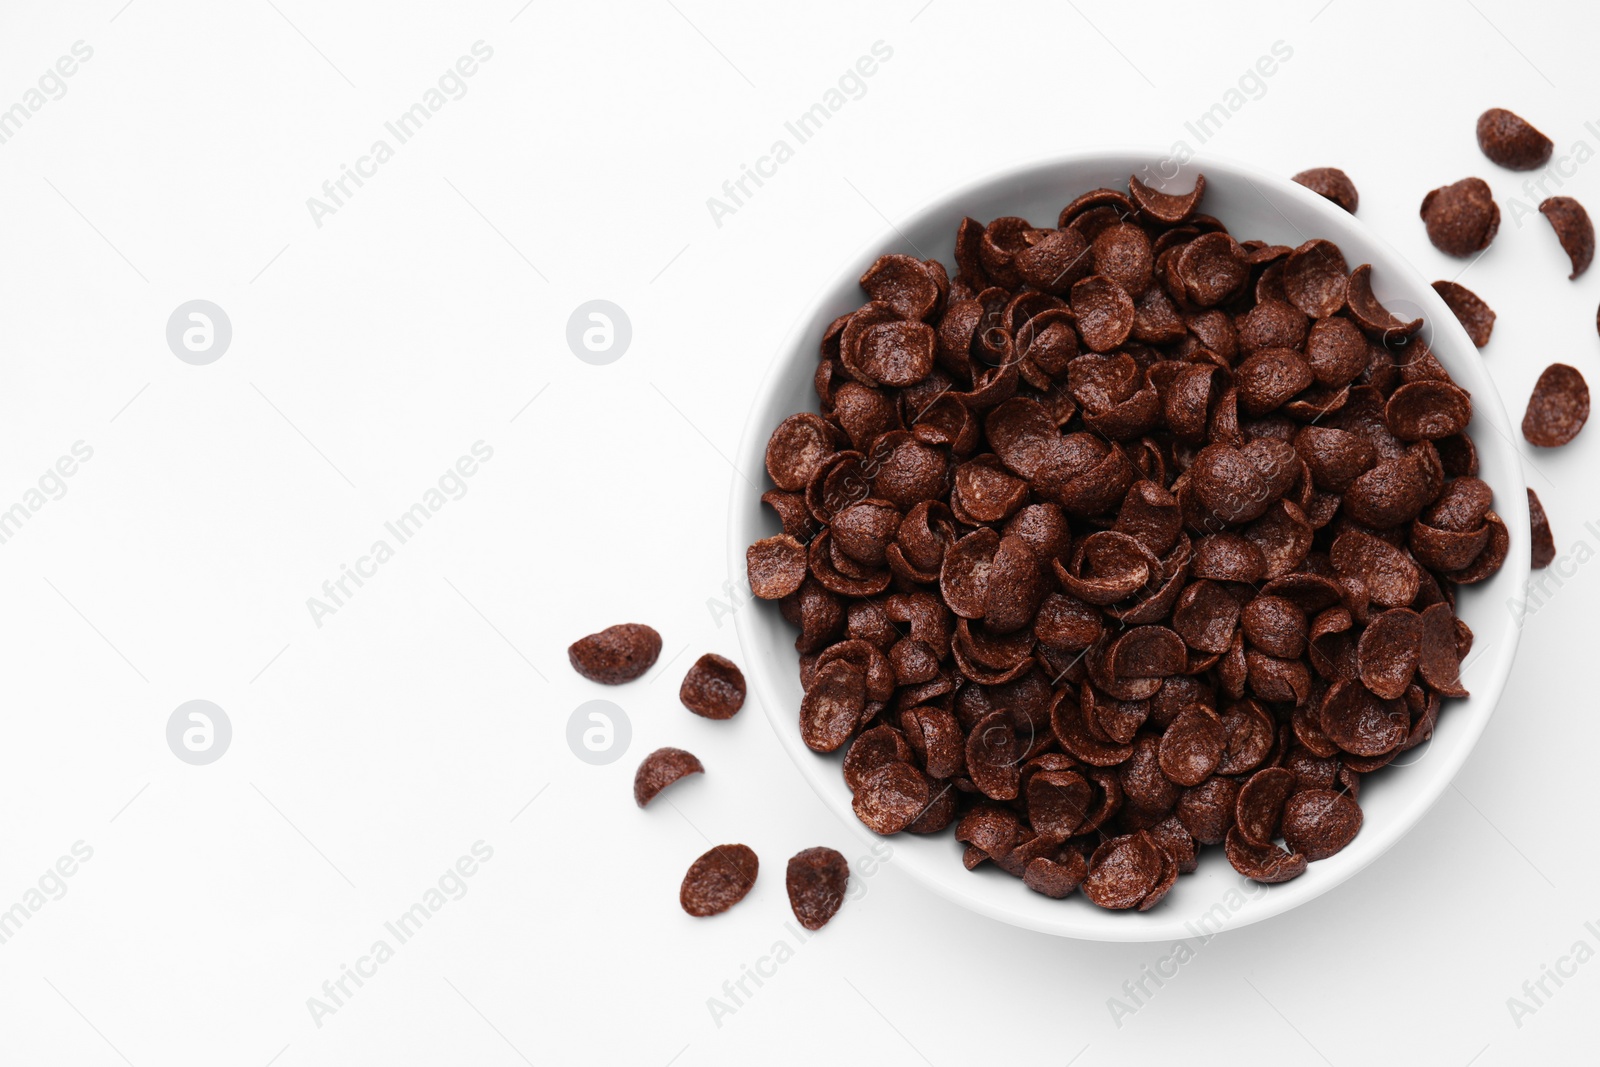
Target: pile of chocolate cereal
x,y
1129,539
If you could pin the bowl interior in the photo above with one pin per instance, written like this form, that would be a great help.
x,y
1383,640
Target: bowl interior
x,y
1253,205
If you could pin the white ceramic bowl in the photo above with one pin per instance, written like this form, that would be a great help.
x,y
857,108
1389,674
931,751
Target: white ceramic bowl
x,y
1253,204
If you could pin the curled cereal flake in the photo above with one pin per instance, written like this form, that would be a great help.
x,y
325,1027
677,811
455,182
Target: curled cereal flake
x,y
1155,319
1334,457
1147,652
892,353
1438,659
1055,262
1544,542
1169,209
871,750
1106,567
1315,278
1122,253
891,798
1211,268
798,449
1476,316
1275,625
1428,410
1116,200
718,880
1015,587
1249,734
865,413
935,736
616,654
1259,808
870,660
1281,680
904,283
993,753
1067,624
833,574
1067,723
1227,557
1104,312
1558,407
1123,871
1511,141
1573,229
1396,490
1275,324
1024,436
1375,320
1333,184
1461,505
1493,556
1461,218
1390,577
1056,878
1458,456
1043,528
985,492
911,472
864,531
1387,653
833,705
714,688
1176,842
989,658
1165,881
1205,616
1266,863
816,880
1192,747
1144,786
1001,241
1207,810
1058,802
1270,378
1238,485
792,512
1337,351
660,769
1320,822
776,566
964,573
1360,722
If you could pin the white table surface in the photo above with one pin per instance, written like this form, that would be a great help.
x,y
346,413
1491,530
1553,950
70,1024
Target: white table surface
x,y
422,716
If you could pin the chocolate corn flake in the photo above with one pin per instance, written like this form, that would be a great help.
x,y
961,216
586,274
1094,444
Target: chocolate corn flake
x,y
1320,822
1461,218
718,880
1558,407
714,688
1133,539
1511,141
616,654
1544,542
1573,229
816,880
1469,308
660,769
1333,184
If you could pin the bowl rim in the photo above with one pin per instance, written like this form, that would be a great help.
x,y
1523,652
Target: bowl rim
x,y
1397,272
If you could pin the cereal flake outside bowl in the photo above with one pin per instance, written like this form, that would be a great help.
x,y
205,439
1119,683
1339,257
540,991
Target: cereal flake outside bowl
x,y
1253,204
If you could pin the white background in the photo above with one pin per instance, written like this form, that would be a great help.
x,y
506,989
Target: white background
x,y
371,352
